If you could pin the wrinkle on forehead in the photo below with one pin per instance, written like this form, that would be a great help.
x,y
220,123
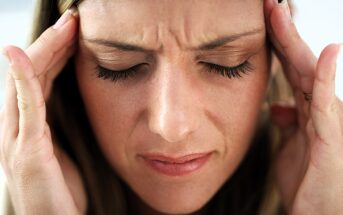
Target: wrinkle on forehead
x,y
170,23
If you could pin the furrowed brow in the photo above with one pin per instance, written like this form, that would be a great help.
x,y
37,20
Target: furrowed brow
x,y
227,39
124,46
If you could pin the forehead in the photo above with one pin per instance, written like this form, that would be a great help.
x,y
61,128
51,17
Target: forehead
x,y
150,21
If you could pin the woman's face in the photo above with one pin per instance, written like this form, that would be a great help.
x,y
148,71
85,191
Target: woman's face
x,y
175,126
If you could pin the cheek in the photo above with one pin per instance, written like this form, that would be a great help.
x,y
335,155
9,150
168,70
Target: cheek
x,y
110,112
234,110
235,107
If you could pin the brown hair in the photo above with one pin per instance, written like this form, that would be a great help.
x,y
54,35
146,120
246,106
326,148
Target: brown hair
x,y
250,190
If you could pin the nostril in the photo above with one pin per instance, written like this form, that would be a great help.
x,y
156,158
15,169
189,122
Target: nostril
x,y
175,134
171,129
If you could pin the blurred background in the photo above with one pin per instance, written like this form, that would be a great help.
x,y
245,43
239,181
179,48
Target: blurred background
x,y
320,22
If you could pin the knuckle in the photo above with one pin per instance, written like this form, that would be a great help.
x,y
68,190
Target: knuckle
x,y
317,107
19,163
333,108
17,166
26,106
23,104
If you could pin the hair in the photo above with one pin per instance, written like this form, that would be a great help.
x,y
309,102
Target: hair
x,y
105,191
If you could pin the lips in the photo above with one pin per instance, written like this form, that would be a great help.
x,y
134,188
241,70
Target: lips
x,y
176,166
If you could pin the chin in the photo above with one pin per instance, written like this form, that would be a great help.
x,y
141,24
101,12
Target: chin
x,y
178,199
186,206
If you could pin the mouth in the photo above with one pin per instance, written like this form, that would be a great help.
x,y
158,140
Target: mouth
x,y
179,166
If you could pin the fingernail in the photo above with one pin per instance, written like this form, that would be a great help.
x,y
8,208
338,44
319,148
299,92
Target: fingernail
x,y
283,3
286,10
5,53
64,18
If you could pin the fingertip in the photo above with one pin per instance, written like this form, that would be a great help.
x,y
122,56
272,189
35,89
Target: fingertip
x,y
19,62
4,52
69,30
333,47
268,6
329,55
281,20
69,23
324,86
10,52
74,11
17,55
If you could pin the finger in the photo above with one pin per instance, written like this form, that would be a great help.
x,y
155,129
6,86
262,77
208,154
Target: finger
x,y
268,6
54,69
30,101
292,76
10,111
325,105
289,43
10,119
52,41
62,55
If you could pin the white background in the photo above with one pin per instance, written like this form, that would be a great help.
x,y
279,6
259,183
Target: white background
x,y
320,22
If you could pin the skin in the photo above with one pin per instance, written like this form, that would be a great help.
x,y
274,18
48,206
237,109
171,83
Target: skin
x,y
175,107
181,103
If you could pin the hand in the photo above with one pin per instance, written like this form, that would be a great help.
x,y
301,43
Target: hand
x,y
41,179
309,168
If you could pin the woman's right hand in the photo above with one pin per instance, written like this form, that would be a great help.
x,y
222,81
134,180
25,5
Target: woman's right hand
x,y
41,179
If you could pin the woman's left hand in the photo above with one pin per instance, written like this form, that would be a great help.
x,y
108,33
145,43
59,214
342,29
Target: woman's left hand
x,y
309,168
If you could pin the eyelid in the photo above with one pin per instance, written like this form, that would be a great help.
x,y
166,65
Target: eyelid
x,y
129,57
135,66
217,64
238,55
240,61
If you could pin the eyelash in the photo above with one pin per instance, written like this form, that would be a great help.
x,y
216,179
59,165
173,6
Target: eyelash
x,y
229,72
114,76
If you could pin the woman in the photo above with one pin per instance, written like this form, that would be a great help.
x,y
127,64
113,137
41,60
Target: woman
x,y
156,107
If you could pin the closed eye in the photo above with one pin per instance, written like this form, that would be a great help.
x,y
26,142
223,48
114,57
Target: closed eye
x,y
116,75
229,72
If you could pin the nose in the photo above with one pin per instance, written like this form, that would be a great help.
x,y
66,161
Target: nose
x,y
174,113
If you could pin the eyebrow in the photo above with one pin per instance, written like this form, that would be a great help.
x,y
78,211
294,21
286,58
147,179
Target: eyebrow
x,y
123,46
